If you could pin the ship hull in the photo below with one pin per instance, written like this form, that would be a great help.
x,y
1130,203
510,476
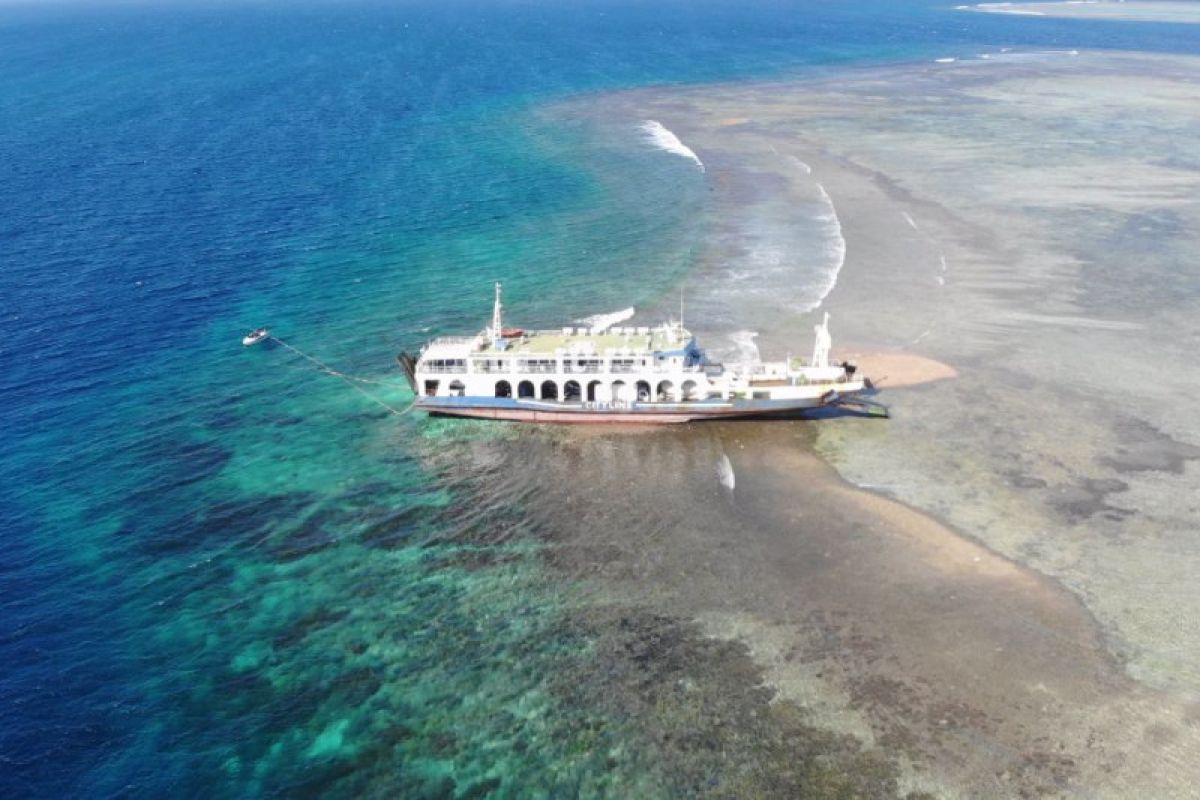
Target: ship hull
x,y
619,413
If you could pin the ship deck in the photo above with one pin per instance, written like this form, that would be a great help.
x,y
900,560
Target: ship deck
x,y
637,340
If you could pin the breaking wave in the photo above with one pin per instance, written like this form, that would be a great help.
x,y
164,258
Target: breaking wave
x,y
837,250
665,139
725,475
746,349
800,165
602,322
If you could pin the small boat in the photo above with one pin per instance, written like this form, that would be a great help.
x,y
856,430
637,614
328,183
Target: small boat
x,y
255,336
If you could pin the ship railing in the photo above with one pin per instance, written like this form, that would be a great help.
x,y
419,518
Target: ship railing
x,y
455,340
570,369
656,370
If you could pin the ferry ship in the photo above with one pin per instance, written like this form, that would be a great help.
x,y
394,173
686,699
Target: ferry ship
x,y
609,373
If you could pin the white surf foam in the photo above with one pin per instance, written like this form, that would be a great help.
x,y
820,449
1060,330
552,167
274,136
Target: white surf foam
x,y
1084,323
602,322
743,342
945,60
837,250
912,223
805,168
725,472
665,139
1001,8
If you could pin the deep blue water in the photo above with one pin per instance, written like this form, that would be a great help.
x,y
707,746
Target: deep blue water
x,y
190,531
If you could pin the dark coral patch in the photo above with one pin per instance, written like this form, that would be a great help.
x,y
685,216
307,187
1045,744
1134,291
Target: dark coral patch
x,y
237,522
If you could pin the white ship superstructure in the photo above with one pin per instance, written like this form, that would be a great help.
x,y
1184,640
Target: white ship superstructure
x,y
616,374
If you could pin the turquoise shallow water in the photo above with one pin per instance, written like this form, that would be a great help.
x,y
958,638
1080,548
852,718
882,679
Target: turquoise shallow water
x,y
225,573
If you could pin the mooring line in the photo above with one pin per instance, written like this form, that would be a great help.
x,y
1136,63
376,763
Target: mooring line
x,y
351,380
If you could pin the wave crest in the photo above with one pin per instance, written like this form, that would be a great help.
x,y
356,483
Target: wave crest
x,y
665,139
837,249
602,322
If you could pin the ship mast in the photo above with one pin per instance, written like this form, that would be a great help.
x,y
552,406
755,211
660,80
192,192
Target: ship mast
x,y
822,343
497,321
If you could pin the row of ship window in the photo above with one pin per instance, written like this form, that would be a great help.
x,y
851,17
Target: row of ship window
x,y
574,391
534,365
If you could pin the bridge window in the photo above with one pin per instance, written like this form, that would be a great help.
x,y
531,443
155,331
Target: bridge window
x,y
623,364
445,365
582,365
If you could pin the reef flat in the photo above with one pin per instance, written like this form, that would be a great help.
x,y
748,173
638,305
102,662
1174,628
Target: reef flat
x,y
1119,11
1026,219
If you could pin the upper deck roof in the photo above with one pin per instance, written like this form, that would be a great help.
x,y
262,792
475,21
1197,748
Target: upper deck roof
x,y
574,341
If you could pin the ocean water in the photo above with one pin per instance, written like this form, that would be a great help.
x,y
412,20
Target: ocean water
x,y
225,572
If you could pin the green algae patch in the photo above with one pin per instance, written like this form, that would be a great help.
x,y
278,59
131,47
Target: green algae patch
x,y
701,707
331,740
252,657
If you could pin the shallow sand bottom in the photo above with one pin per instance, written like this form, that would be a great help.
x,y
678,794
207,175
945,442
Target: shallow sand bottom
x,y
982,676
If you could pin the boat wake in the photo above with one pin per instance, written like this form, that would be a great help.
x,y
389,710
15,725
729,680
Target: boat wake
x,y
602,322
665,139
